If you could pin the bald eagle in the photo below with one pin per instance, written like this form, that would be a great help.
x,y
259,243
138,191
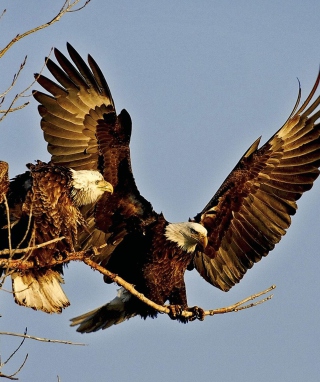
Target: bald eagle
x,y
44,205
241,223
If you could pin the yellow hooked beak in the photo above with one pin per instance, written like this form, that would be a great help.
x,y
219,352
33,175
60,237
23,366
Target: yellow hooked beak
x,y
105,186
203,242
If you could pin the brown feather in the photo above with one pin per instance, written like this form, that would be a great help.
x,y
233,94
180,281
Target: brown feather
x,y
4,180
48,205
253,206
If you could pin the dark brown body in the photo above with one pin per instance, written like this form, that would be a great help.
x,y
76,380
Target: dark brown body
x,y
156,267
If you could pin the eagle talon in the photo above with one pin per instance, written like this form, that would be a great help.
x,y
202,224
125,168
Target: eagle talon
x,y
176,312
62,255
197,313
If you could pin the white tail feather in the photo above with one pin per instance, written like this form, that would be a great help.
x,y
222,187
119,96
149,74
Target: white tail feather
x,y
39,290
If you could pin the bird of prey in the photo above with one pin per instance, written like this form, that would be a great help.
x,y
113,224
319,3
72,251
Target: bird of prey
x,y
44,205
242,222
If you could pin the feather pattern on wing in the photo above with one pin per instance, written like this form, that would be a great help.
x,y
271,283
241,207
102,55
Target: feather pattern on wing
x,y
251,211
83,131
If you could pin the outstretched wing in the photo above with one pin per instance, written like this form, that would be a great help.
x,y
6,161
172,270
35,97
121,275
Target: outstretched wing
x,y
71,114
83,131
251,211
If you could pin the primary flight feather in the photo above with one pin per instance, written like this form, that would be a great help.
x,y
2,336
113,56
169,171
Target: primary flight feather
x,y
241,223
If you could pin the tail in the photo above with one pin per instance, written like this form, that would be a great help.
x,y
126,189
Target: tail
x,y
39,290
113,313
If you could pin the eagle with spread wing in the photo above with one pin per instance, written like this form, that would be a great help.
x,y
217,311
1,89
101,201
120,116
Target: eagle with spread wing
x,y
241,223
44,205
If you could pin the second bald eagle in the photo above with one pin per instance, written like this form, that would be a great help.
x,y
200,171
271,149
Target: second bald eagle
x,y
44,204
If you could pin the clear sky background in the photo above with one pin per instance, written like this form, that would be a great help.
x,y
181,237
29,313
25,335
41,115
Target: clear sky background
x,y
201,80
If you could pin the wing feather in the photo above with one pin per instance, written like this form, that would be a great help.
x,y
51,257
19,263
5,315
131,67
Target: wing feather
x,y
252,209
83,131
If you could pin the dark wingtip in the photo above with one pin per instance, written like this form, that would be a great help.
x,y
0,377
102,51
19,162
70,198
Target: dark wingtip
x,y
70,48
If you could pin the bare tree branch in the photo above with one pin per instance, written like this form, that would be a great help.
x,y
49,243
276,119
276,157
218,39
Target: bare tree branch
x,y
24,250
41,339
11,109
2,364
2,14
24,336
79,9
66,8
15,77
85,256
164,309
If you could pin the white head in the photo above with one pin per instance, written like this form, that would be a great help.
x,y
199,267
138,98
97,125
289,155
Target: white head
x,y
187,235
88,186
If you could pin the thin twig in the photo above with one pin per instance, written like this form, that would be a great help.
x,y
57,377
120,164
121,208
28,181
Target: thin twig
x,y
8,220
15,77
41,339
22,94
67,7
239,305
16,350
28,229
37,246
12,109
2,14
79,9
12,376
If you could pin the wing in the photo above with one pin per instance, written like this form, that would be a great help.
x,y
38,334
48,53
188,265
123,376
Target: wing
x,y
251,211
70,115
83,131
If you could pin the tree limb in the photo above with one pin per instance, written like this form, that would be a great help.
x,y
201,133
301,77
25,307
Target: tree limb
x,y
164,309
67,7
27,249
85,256
41,339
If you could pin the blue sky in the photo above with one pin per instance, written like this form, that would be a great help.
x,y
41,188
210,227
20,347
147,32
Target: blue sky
x,y
201,81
